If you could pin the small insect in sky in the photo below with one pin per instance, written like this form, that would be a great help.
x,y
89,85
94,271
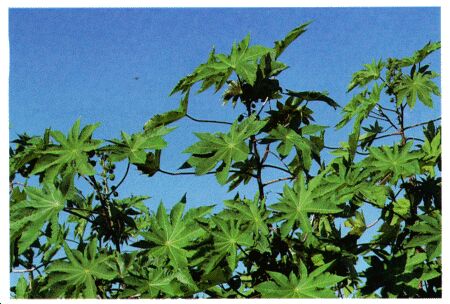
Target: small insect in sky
x,y
136,77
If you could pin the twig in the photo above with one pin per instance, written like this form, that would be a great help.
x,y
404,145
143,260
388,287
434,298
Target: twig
x,y
386,109
415,138
387,117
208,121
262,107
121,181
207,173
421,124
372,224
266,153
279,168
375,117
388,135
278,180
77,214
24,270
338,148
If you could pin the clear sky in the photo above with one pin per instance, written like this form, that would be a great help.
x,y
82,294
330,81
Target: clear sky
x,y
82,63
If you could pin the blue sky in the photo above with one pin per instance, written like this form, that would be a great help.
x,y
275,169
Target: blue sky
x,y
81,63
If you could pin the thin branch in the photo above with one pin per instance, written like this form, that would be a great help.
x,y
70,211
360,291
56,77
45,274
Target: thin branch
x,y
208,121
262,107
24,270
388,135
332,148
178,173
207,173
266,154
387,117
372,224
386,109
281,160
242,249
77,214
121,181
278,180
376,117
278,168
338,148
415,138
421,124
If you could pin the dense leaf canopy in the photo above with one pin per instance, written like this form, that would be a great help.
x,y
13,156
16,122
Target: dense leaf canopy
x,y
306,243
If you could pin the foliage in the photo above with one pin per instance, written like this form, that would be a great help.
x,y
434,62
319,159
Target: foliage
x,y
307,242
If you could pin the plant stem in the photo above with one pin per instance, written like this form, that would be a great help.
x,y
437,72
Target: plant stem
x,y
208,121
421,124
121,181
278,180
77,214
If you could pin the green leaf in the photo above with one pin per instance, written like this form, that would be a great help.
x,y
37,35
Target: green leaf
x,y
28,217
431,153
420,55
228,237
360,106
317,284
244,59
151,285
211,72
225,148
289,138
81,270
71,152
168,117
298,202
419,87
21,288
281,45
314,96
168,236
252,212
397,161
429,234
370,72
135,147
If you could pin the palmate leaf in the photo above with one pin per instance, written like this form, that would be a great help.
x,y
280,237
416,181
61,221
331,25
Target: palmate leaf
x,y
419,87
244,59
314,96
224,148
135,147
72,151
370,72
27,150
354,182
227,239
29,216
82,269
289,138
155,283
429,234
431,153
396,161
168,117
251,212
298,202
281,45
420,55
170,234
360,106
317,284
